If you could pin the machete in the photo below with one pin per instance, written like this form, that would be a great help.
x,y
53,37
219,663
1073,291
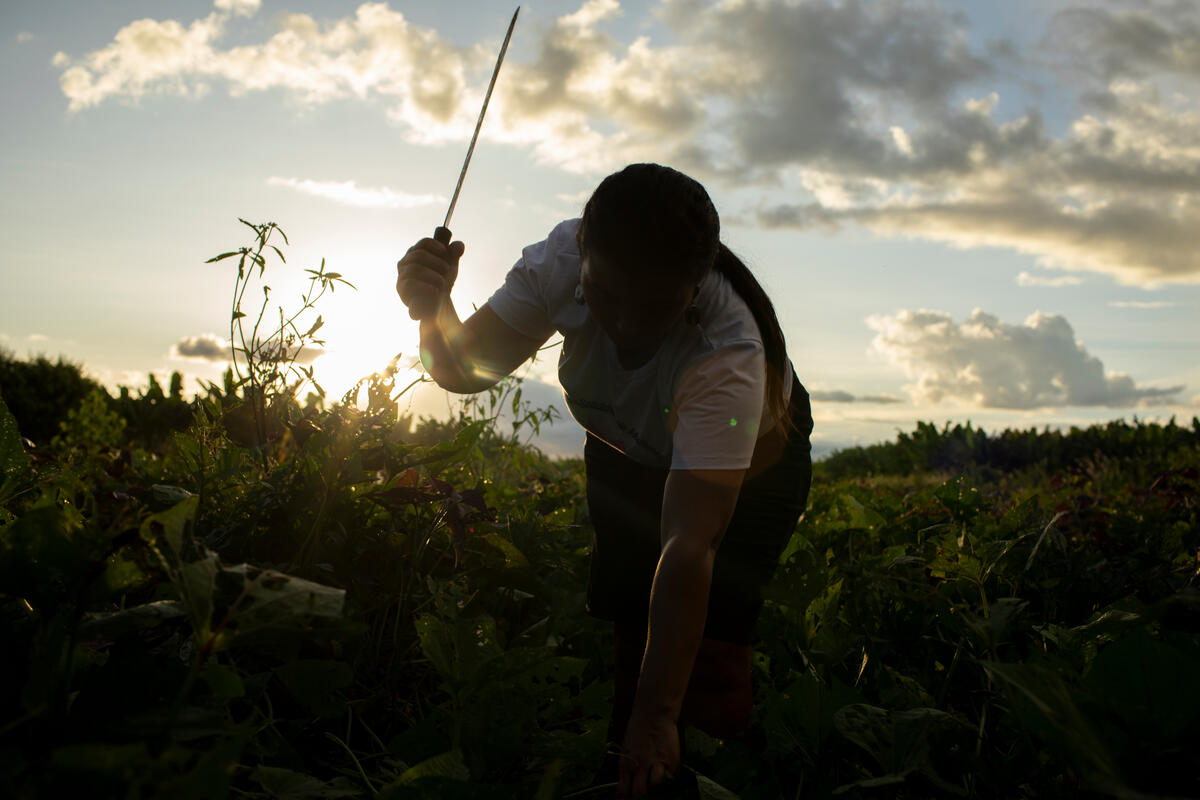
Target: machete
x,y
442,233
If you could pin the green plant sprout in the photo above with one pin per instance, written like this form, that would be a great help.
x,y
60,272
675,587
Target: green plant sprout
x,y
266,365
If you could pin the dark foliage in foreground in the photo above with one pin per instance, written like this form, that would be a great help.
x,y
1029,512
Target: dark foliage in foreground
x,y
367,616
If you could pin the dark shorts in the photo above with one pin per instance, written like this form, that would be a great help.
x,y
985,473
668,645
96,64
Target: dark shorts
x,y
625,505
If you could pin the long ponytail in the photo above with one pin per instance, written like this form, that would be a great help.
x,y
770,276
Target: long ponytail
x,y
749,289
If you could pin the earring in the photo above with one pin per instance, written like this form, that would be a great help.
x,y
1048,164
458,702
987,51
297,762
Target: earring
x,y
579,293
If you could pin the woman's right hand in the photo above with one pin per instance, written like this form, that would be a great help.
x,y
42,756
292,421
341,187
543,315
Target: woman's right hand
x,y
425,276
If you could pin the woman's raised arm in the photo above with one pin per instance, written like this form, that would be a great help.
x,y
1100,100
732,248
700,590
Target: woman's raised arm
x,y
463,357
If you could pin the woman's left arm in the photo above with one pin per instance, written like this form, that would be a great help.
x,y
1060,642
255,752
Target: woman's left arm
x,y
697,507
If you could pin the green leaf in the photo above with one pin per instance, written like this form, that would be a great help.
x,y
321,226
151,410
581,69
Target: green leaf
x,y
513,558
275,602
166,496
223,256
445,765
459,648
130,620
802,716
436,643
860,515
197,581
223,681
45,553
902,742
1150,685
285,784
1047,708
960,498
318,684
212,773
711,790
168,525
14,461
100,760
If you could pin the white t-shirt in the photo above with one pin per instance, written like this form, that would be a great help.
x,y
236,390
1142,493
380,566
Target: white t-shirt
x,y
698,403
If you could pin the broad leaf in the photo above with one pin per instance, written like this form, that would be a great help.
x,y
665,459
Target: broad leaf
x,y
13,459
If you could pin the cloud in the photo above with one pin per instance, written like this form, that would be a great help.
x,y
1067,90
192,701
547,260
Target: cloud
x,y
306,355
1142,304
37,337
348,193
886,115
1117,192
1026,279
205,347
210,347
374,53
242,8
24,37
993,364
1128,39
840,396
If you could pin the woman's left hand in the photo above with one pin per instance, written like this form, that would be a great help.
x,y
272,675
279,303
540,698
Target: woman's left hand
x,y
651,753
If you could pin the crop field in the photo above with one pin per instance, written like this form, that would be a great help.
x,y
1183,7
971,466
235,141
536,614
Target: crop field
x,y
236,596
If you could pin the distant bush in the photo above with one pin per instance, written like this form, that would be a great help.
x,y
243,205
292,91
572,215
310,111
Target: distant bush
x,y
964,448
40,393
153,415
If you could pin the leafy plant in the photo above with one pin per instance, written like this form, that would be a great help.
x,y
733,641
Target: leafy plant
x,y
267,359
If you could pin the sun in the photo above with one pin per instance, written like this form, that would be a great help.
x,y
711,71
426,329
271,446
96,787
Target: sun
x,y
349,360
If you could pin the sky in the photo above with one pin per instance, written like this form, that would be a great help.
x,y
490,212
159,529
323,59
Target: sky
x,y
963,211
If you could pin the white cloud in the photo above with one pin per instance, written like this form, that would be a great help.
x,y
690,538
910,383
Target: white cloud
x,y
878,114
273,351
145,55
351,194
374,53
37,337
24,36
243,8
992,364
205,347
210,347
1027,279
841,396
1128,38
1141,304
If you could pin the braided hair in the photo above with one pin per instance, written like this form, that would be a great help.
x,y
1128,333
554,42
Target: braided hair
x,y
655,216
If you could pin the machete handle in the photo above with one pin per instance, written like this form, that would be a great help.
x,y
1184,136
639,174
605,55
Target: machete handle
x,y
420,311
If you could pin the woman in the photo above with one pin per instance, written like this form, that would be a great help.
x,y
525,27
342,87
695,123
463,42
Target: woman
x,y
697,450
